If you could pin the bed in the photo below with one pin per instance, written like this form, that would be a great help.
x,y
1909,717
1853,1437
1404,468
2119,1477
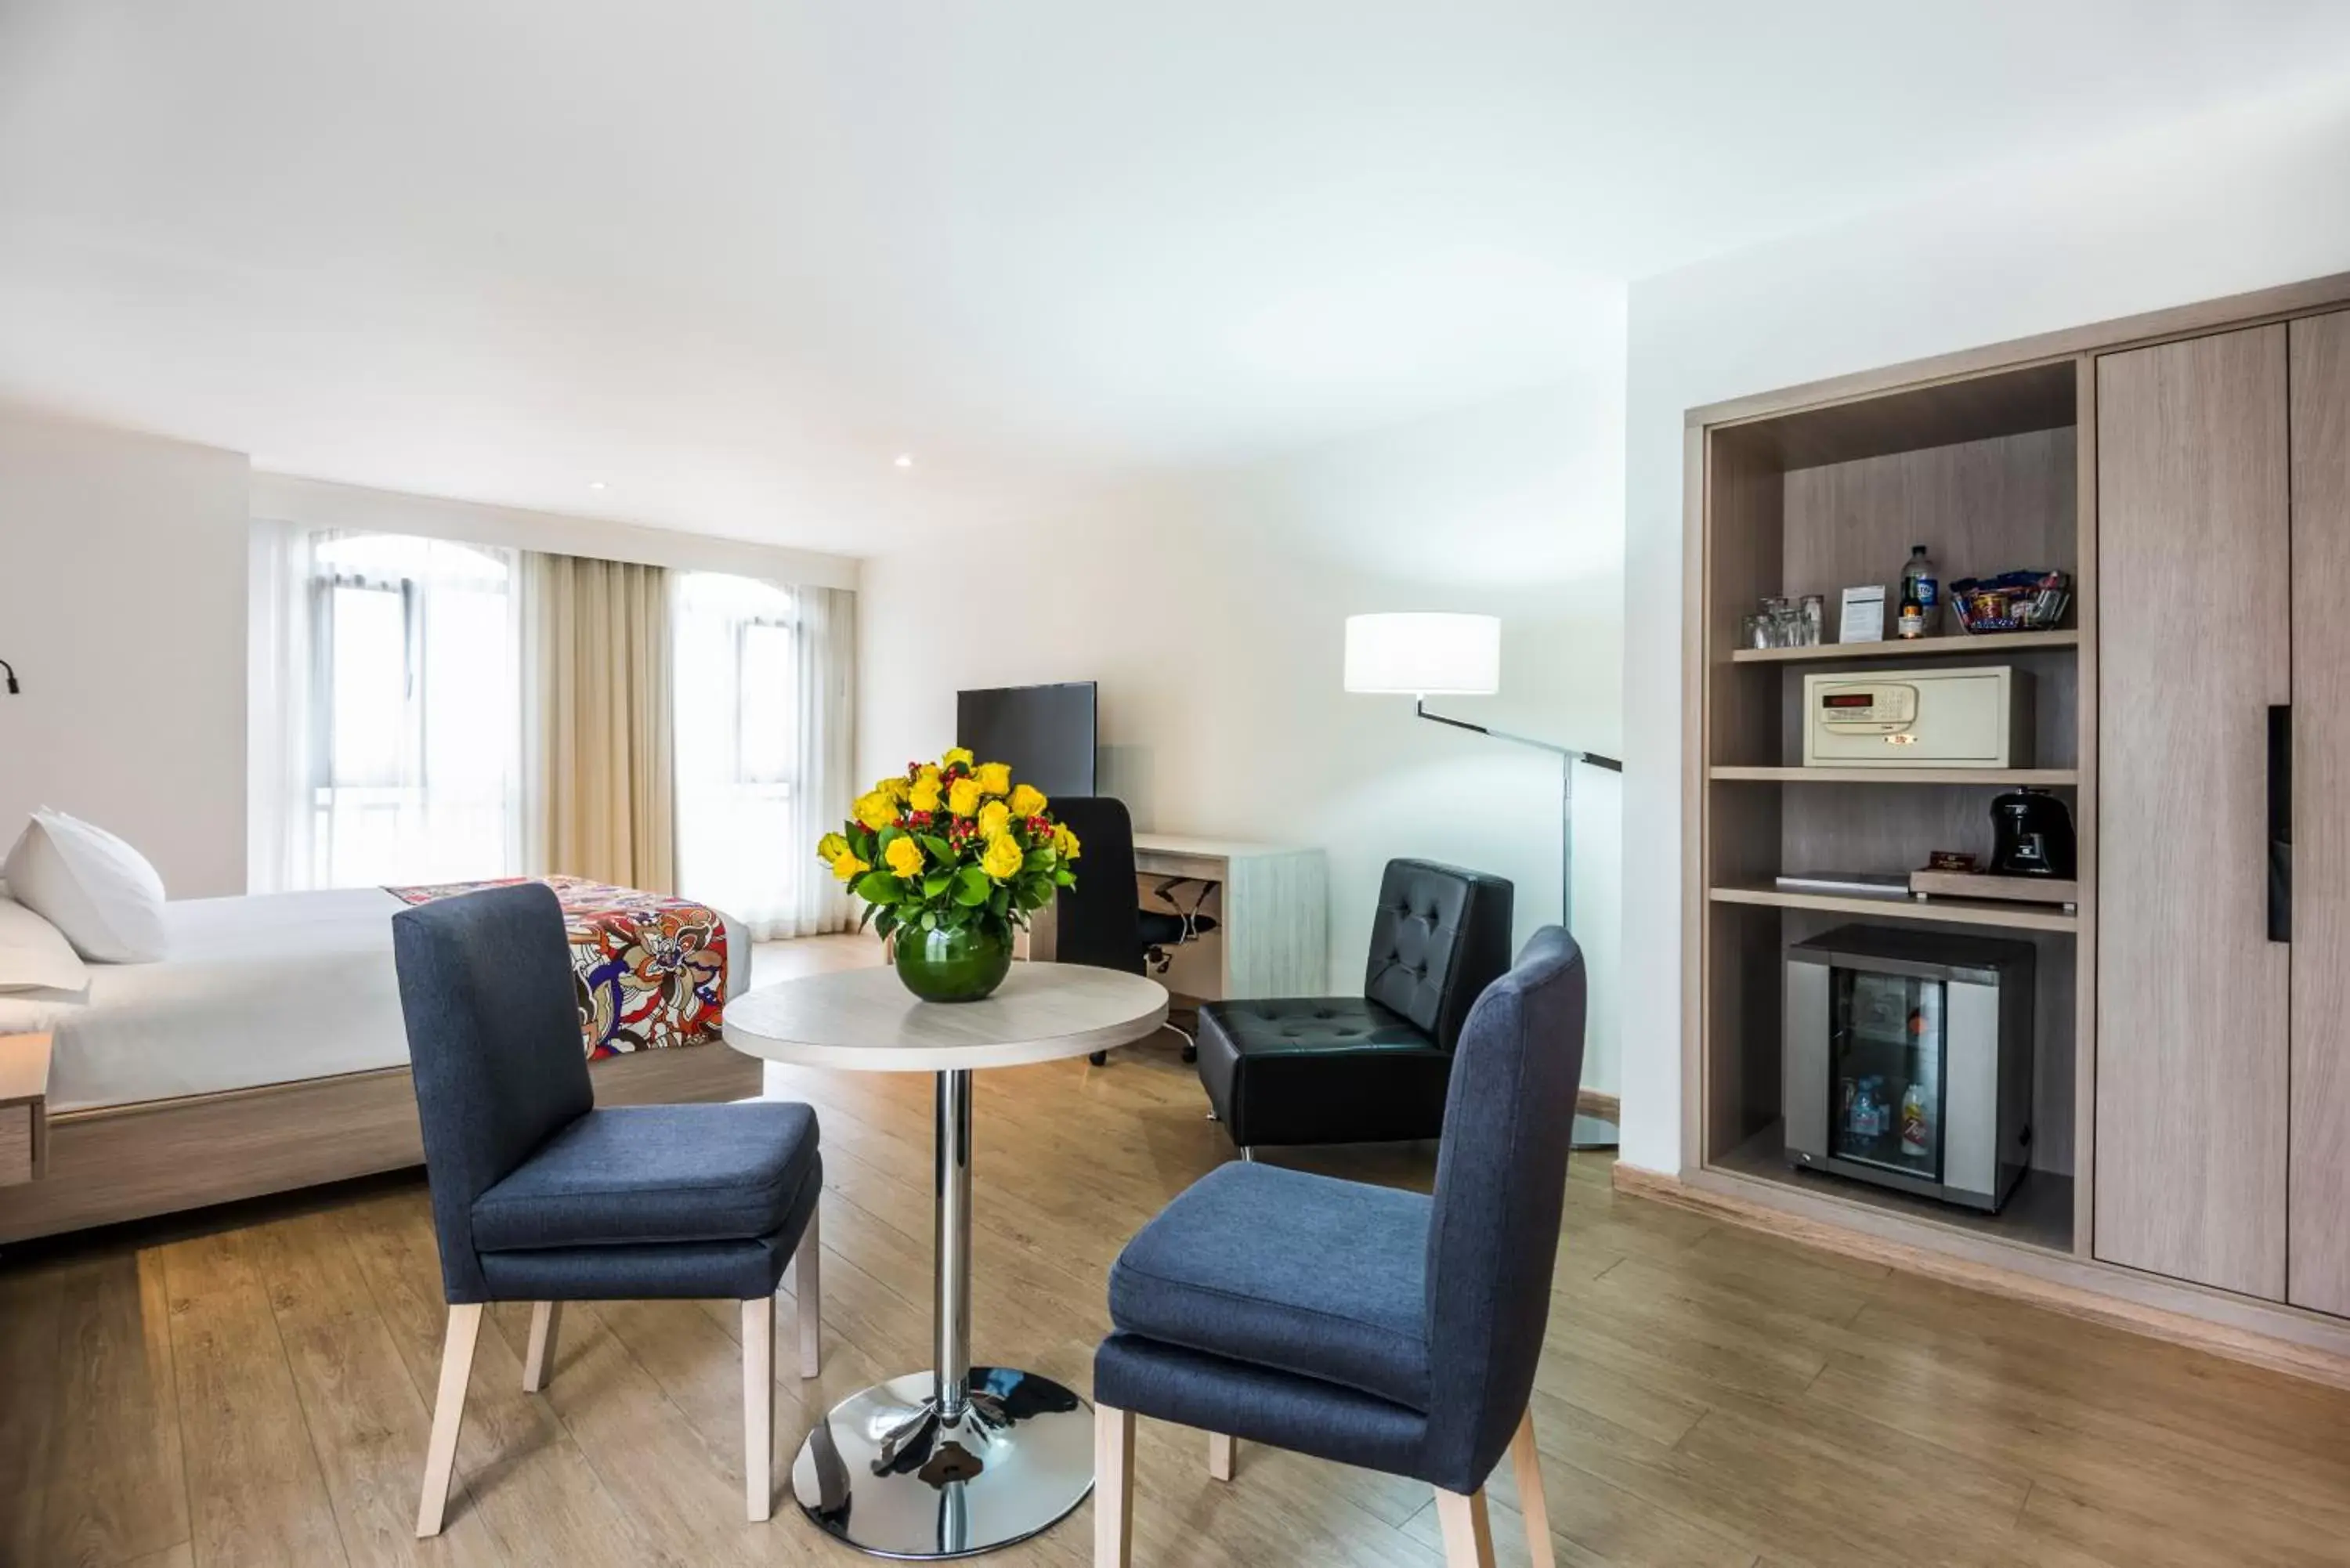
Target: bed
x,y
265,1051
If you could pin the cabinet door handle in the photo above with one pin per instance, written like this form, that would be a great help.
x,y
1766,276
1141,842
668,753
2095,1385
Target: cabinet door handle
x,y
2280,823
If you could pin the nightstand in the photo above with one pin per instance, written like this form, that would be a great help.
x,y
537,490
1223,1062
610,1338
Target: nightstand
x,y
24,1107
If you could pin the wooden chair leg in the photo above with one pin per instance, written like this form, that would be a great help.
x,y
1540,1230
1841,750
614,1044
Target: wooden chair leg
x,y
759,1407
448,1414
1219,1456
808,1291
546,1322
1468,1534
1113,1488
1525,1460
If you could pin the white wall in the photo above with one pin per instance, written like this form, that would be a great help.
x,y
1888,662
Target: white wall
x,y
122,606
1210,613
2209,207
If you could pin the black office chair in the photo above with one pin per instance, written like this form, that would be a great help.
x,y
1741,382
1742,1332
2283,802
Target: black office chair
x,y
1101,922
1165,930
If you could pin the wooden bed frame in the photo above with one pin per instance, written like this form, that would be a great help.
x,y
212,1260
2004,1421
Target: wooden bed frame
x,y
133,1162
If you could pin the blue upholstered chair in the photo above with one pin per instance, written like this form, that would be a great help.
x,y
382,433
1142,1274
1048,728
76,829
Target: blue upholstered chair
x,y
1359,1323
539,1197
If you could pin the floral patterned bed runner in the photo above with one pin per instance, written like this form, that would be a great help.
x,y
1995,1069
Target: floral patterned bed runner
x,y
649,970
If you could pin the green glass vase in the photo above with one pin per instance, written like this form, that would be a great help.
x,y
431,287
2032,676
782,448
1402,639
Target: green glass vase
x,y
954,966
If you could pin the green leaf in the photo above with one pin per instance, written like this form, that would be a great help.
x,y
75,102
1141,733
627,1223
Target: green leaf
x,y
1065,877
871,910
929,920
1036,860
935,883
886,922
999,901
880,887
939,847
971,887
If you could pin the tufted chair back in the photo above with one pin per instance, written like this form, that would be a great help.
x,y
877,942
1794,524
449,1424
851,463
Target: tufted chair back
x,y
1441,937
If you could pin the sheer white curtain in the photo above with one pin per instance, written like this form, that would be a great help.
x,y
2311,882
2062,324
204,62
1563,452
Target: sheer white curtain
x,y
763,713
277,711
384,739
827,740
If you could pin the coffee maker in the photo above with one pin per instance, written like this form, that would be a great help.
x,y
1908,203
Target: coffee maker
x,y
2031,835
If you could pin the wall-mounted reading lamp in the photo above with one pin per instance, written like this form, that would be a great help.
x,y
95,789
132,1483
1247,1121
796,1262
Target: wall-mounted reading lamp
x,y
1423,655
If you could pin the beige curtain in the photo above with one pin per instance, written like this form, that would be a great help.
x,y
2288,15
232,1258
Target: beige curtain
x,y
597,717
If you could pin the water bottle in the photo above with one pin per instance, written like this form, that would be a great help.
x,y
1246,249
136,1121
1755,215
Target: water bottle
x,y
1921,585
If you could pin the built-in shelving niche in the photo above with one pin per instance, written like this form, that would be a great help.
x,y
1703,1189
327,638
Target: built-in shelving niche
x,y
1748,1142
1983,471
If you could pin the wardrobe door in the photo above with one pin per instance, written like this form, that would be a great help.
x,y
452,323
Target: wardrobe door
x,y
2194,588
2319,1256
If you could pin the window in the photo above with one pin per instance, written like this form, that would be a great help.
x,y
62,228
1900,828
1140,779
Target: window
x,y
738,679
413,730
764,682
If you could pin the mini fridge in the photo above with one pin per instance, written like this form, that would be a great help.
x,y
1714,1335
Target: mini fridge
x,y
1907,1061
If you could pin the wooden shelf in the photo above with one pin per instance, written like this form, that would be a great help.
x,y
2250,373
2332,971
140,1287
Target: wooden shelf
x,y
2047,778
1964,408
1947,912
1991,465
2038,1215
1957,646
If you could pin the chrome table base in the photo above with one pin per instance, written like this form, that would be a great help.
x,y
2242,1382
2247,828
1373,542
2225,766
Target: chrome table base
x,y
959,1459
885,1473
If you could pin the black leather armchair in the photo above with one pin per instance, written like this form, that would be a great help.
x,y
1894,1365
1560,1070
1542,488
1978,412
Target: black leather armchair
x,y
1371,1068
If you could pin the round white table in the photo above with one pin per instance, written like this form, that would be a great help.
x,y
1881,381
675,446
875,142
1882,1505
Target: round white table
x,y
959,1459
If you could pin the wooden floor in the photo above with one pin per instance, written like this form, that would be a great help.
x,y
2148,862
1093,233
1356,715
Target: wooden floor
x,y
251,1389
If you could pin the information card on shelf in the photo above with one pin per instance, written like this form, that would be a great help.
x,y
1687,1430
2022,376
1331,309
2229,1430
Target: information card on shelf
x,y
1864,615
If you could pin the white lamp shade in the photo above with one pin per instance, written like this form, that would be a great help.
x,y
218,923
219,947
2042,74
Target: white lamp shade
x,y
1424,654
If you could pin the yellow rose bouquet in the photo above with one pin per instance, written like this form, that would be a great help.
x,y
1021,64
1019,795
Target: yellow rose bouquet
x,y
949,859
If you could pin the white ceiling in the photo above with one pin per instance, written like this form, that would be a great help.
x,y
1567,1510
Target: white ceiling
x,y
731,259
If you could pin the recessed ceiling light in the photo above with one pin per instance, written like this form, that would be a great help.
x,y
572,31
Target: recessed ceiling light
x,y
903,460
595,484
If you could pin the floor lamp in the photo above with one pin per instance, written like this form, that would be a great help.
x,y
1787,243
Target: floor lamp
x,y
1422,654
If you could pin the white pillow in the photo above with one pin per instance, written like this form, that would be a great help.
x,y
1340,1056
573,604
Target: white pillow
x,y
35,955
95,889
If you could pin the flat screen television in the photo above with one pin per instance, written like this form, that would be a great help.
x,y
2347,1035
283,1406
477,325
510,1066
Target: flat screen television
x,y
1045,732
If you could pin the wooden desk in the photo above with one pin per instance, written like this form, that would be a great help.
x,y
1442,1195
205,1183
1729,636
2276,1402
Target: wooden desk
x,y
24,1107
1271,902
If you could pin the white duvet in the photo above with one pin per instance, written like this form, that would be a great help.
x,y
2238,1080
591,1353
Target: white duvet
x,y
268,988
